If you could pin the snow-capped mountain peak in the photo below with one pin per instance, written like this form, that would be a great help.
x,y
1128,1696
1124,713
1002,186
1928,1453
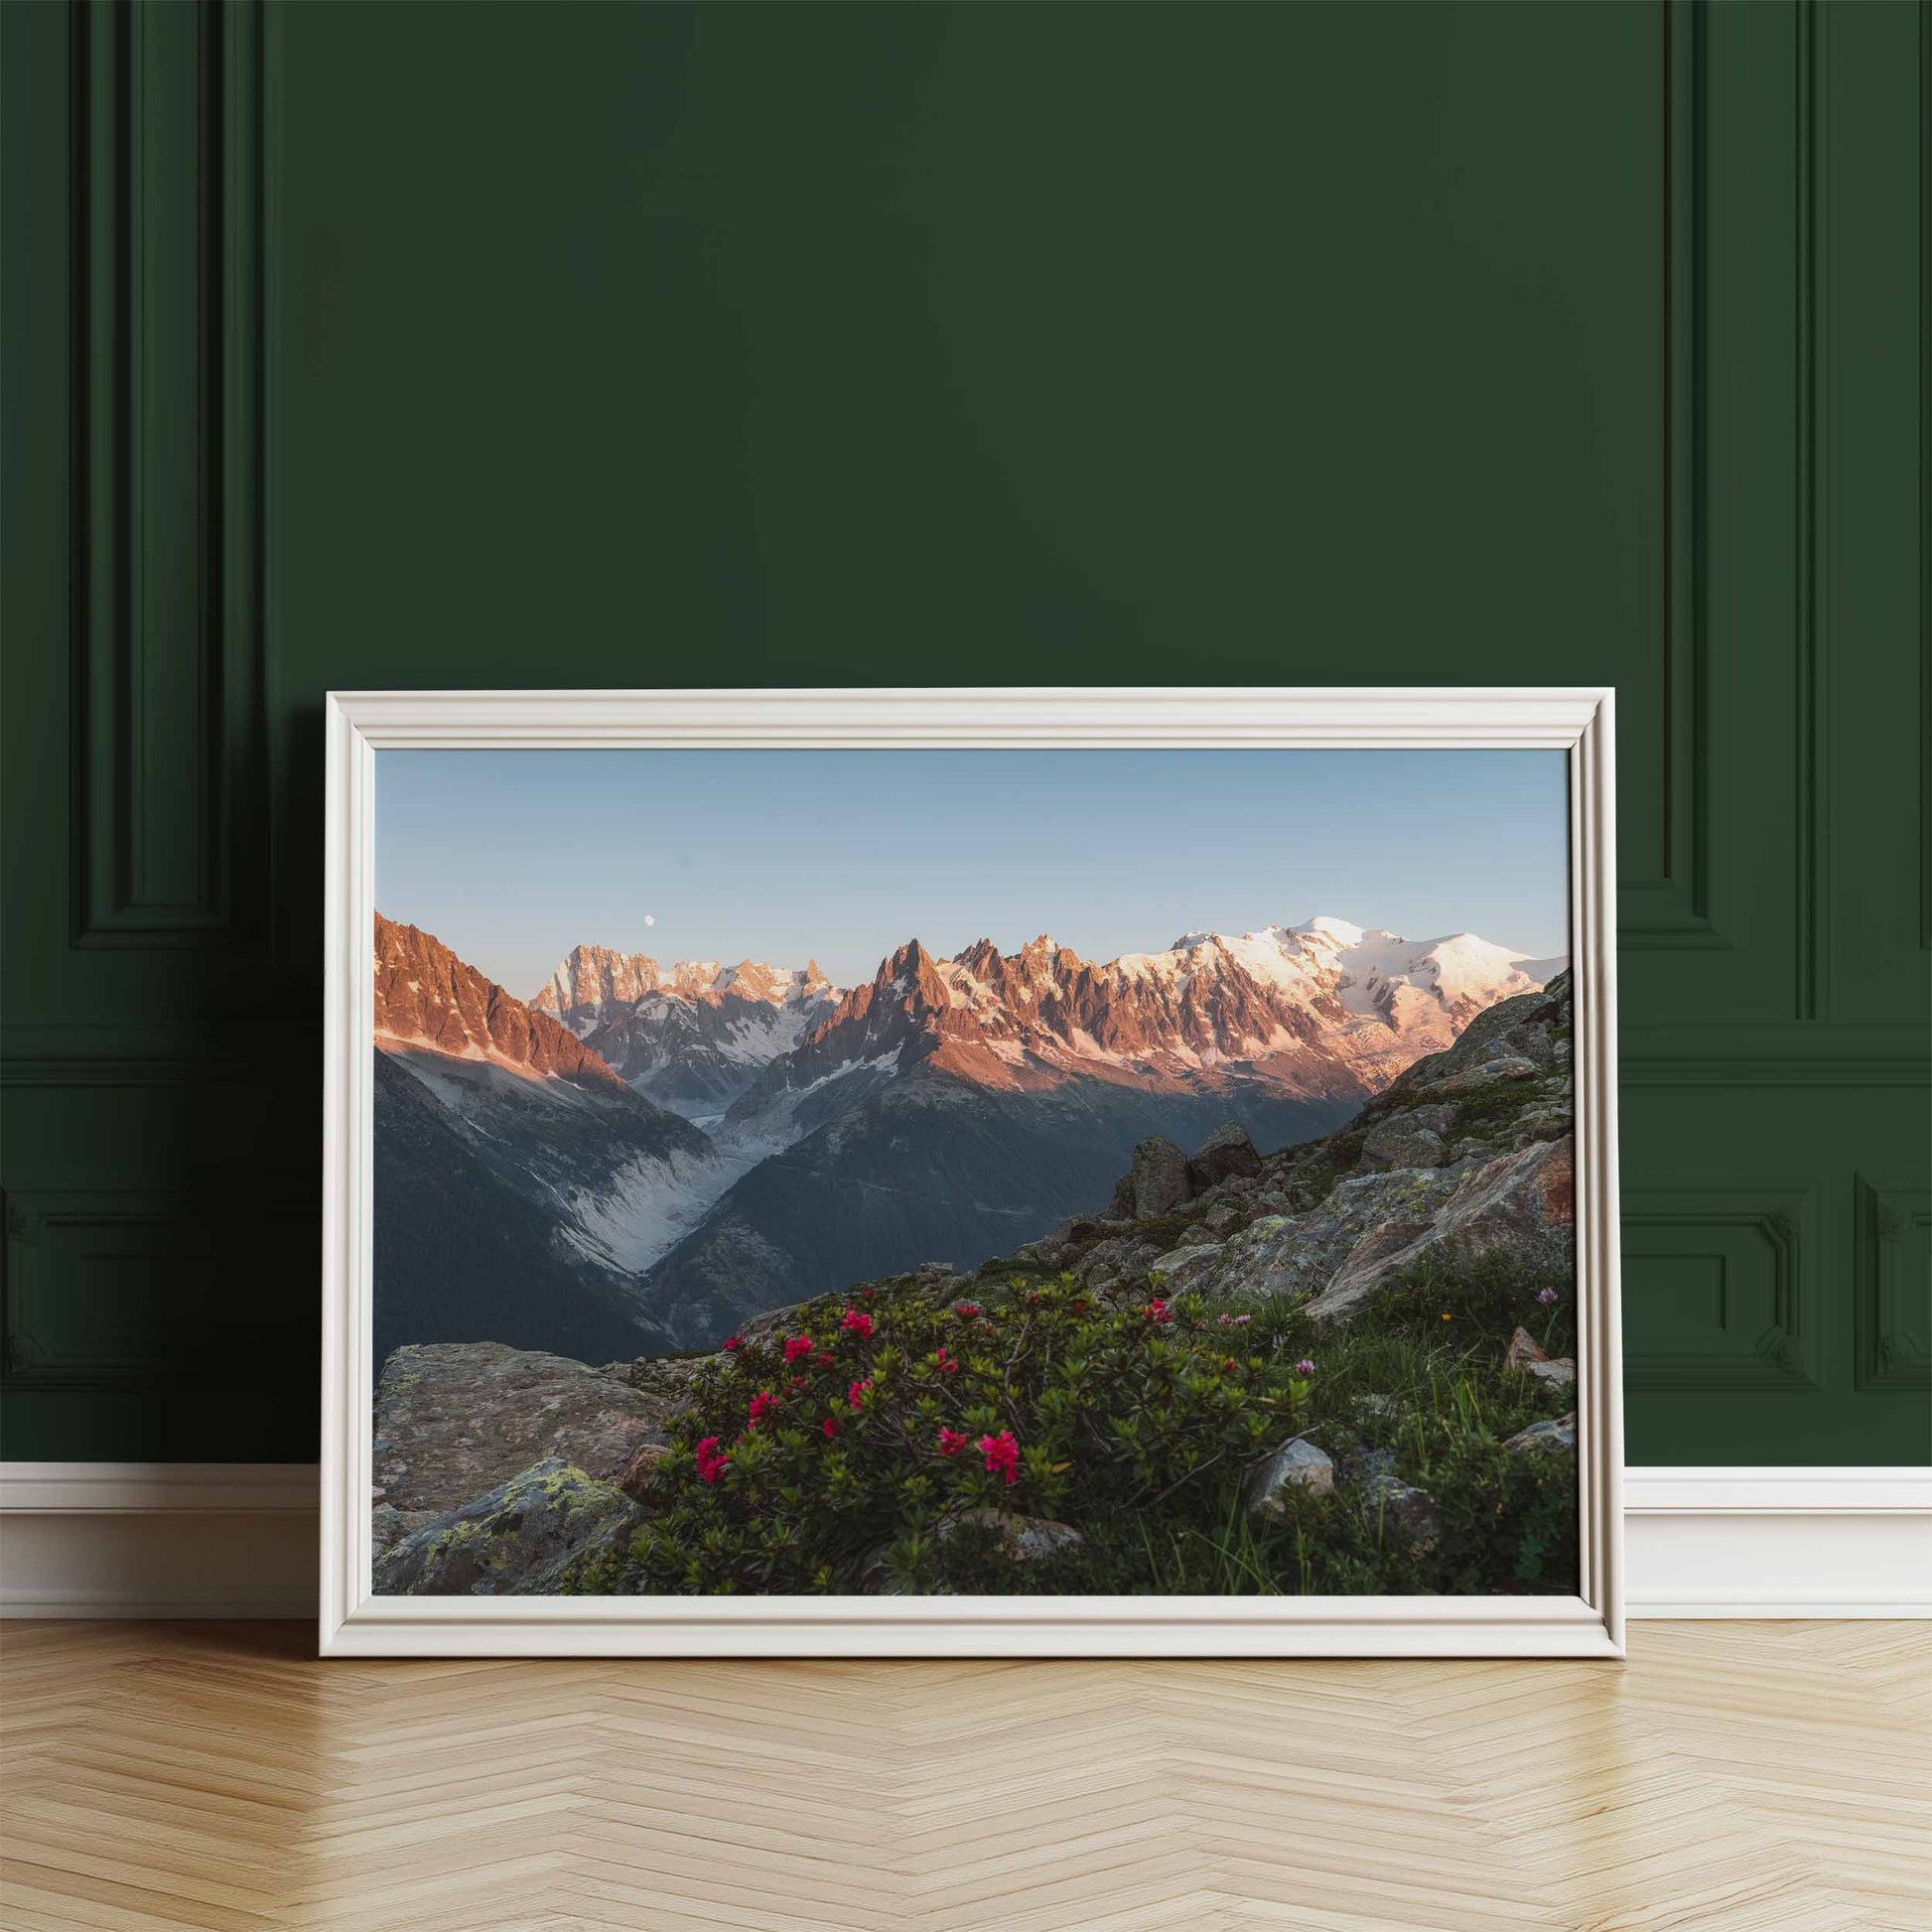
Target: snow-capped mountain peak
x,y
593,985
1412,987
1340,931
1325,1008
691,1034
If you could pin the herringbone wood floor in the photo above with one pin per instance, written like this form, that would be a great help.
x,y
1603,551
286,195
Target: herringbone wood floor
x,y
1772,1776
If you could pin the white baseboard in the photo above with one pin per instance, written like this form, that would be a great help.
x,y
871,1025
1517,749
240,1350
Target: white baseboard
x,y
1777,1542
159,1539
210,1540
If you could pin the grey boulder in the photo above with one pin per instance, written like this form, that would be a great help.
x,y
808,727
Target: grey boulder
x,y
1023,1539
1392,1504
1157,1181
1298,1466
1526,1354
1522,1204
1281,1254
1180,1268
1402,1141
1226,1155
1545,1438
388,1524
1110,1261
455,1419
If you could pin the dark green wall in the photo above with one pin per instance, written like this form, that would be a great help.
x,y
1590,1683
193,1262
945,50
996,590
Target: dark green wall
x,y
493,344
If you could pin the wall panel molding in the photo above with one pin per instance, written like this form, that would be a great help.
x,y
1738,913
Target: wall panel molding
x,y
103,1053
1824,1054
1811,700
1894,1283
1746,215
99,1286
1671,907
167,638
1719,1285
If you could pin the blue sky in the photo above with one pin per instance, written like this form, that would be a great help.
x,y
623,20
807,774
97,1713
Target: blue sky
x,y
511,857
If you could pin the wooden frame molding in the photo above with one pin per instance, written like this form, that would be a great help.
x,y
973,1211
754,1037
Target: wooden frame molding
x,y
355,1621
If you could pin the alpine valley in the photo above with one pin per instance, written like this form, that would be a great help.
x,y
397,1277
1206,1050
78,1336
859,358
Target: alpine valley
x,y
645,1154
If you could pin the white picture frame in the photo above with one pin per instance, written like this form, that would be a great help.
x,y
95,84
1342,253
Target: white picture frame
x,y
355,1621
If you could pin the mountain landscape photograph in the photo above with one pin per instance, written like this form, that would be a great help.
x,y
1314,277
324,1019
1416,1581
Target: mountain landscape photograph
x,y
995,1170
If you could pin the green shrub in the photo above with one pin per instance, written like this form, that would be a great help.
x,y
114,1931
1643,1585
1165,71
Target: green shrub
x,y
851,1463
889,1453
1477,1305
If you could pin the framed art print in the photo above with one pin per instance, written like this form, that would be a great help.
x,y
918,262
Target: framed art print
x,y
1025,1172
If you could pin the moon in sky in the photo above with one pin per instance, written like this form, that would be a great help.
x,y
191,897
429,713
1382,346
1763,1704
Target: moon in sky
x,y
648,921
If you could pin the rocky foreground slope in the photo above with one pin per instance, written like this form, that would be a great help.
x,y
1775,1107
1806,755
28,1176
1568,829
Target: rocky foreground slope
x,y
1339,1366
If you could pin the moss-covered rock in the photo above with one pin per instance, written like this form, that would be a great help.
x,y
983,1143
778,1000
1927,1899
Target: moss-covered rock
x,y
515,1541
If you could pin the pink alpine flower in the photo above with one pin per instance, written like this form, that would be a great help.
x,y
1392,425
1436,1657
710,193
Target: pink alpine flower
x,y
797,1345
711,1465
967,1309
1546,1297
1157,1311
1305,1366
952,1442
732,1343
946,1364
831,1427
854,1393
762,1405
1002,1454
859,1322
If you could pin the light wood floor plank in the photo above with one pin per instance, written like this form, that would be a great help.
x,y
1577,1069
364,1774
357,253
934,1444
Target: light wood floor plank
x,y
1735,1777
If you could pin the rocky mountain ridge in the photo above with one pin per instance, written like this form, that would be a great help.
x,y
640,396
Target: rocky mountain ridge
x,y
426,997
691,1034
766,1136
1321,1011
1323,1008
593,985
521,1184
